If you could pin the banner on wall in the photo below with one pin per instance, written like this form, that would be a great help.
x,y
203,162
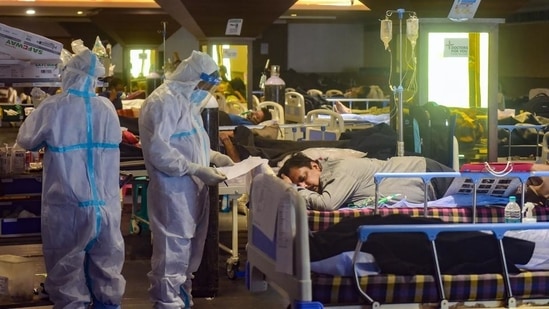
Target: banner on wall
x,y
456,47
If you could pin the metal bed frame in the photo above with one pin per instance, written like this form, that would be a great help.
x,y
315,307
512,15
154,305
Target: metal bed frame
x,y
297,285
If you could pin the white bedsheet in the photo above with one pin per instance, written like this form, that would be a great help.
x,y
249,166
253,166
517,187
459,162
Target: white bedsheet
x,y
135,103
342,265
349,118
540,257
362,118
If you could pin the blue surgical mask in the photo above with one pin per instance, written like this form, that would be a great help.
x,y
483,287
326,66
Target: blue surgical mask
x,y
198,96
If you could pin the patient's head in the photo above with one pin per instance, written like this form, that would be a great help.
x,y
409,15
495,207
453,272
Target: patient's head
x,y
302,171
260,115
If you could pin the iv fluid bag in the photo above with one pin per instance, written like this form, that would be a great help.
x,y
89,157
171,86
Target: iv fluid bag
x,y
412,29
386,32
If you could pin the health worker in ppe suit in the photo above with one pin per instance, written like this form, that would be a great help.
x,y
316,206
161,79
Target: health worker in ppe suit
x,y
81,238
177,154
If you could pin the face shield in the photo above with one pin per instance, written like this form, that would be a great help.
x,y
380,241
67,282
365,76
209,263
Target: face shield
x,y
205,88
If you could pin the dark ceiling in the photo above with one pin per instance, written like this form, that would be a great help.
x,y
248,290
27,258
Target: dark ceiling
x,y
207,19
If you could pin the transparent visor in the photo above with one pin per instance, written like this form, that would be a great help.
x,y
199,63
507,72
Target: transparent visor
x,y
208,83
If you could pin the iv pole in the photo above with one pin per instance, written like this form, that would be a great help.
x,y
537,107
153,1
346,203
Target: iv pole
x,y
163,23
399,89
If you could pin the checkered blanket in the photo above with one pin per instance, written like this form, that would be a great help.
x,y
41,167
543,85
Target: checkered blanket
x,y
423,289
320,220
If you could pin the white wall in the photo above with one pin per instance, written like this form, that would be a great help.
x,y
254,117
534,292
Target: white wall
x,y
325,47
321,48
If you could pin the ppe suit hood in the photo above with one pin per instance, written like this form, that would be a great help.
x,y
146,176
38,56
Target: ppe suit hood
x,y
81,72
189,70
186,76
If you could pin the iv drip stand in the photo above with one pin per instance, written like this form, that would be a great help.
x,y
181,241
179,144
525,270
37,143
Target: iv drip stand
x,y
399,89
163,23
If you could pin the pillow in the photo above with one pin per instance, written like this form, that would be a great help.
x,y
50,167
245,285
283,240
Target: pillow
x,y
268,131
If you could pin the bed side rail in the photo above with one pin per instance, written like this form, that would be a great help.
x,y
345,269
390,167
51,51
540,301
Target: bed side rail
x,y
432,231
425,177
475,177
268,192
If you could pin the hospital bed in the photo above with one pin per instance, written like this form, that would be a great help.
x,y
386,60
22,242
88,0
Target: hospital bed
x,y
360,104
278,256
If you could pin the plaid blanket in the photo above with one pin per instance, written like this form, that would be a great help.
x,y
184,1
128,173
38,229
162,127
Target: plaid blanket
x,y
320,220
394,289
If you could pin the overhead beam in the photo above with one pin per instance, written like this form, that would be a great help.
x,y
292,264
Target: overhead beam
x,y
181,15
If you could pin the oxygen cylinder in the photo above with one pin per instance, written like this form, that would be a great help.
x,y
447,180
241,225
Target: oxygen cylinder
x,y
275,86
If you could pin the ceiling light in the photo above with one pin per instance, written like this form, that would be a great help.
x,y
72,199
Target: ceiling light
x,y
30,12
295,16
80,13
330,5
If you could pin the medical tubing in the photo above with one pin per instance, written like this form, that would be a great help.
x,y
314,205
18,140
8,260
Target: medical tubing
x,y
508,169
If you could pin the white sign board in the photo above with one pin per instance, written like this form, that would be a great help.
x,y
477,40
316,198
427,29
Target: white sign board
x,y
229,53
456,47
234,26
463,10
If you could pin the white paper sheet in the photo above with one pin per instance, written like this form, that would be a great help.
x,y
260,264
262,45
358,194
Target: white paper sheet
x,y
242,167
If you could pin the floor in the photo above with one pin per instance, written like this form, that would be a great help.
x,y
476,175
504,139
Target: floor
x,y
231,293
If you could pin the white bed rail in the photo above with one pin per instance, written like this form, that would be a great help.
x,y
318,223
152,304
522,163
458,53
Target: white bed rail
x,y
264,252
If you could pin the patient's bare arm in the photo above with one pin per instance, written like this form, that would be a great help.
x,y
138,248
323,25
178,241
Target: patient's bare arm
x,y
540,185
230,149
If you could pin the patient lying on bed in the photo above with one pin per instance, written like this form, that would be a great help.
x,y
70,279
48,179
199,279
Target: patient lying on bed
x,y
331,184
251,118
411,254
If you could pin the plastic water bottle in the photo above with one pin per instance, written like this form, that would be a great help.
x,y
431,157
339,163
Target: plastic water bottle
x,y
512,211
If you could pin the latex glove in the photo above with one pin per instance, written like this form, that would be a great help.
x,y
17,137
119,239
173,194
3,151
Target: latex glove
x,y
208,175
219,159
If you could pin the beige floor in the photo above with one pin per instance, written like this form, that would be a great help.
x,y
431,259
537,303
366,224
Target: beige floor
x,y
231,293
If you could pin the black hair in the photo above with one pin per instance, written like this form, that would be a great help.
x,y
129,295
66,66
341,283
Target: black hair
x,y
266,114
238,85
296,160
115,81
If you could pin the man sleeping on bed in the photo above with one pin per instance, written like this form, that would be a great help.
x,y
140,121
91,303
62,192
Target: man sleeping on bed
x,y
411,253
331,184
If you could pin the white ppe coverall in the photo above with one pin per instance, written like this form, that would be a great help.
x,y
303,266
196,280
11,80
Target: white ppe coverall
x,y
176,149
81,238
